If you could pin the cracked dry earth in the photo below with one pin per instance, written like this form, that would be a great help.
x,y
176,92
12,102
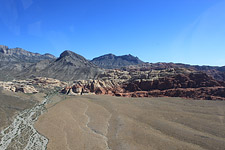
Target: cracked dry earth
x,y
105,122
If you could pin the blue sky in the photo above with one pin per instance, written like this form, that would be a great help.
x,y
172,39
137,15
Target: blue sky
x,y
185,31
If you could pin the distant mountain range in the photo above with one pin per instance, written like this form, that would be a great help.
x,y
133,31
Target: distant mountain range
x,y
21,55
69,66
19,63
15,60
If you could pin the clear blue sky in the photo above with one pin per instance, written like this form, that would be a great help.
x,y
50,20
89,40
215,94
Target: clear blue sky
x,y
186,31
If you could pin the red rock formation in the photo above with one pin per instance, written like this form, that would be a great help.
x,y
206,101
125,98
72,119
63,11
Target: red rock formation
x,y
205,93
193,85
178,81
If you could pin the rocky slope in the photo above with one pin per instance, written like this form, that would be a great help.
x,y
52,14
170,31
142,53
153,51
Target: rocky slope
x,y
69,66
110,61
15,60
18,63
21,55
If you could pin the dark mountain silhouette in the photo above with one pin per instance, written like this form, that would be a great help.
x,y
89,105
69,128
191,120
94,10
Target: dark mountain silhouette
x,y
15,60
110,61
19,63
21,55
69,66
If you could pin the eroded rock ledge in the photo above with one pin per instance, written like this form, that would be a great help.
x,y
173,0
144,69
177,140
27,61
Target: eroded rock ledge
x,y
155,83
171,82
32,85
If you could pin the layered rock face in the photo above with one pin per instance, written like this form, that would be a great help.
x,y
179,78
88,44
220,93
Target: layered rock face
x,y
217,73
10,86
92,87
193,85
172,82
192,80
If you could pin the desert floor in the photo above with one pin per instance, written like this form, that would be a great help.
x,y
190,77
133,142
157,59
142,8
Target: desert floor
x,y
105,122
12,104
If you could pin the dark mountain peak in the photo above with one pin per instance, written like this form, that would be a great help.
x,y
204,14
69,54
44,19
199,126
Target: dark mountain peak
x,y
130,57
106,56
20,55
66,53
69,66
112,56
19,63
71,56
16,51
109,55
110,61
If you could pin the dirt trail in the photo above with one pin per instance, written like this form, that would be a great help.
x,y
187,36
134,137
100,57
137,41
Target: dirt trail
x,y
96,132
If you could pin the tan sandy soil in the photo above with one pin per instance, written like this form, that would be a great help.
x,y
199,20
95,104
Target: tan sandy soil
x,y
105,122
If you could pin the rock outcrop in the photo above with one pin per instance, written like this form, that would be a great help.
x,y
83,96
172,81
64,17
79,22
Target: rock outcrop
x,y
203,93
32,85
172,82
192,80
10,86
216,72
47,83
83,87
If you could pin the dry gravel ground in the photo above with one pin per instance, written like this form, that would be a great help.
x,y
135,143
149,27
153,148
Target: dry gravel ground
x,y
105,122
13,103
